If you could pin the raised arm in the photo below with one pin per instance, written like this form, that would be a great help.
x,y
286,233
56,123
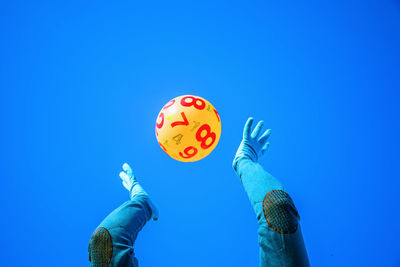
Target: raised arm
x,y
112,242
279,234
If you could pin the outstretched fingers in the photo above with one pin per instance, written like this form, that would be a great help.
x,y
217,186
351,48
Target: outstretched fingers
x,y
257,130
128,169
124,176
265,148
264,137
126,180
247,127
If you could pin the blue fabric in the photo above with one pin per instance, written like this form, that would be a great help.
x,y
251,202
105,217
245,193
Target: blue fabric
x,y
276,249
124,224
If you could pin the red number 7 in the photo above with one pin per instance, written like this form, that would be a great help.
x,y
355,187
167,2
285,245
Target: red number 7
x,y
184,122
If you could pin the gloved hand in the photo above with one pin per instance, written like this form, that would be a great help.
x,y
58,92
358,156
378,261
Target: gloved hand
x,y
132,185
252,146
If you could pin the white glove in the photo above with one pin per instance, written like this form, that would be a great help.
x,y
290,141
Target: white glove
x,y
132,185
253,145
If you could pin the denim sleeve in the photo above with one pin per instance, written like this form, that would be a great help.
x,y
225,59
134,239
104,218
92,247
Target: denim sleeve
x,y
122,227
279,233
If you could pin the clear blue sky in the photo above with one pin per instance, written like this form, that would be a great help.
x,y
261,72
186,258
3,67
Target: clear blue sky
x,y
82,82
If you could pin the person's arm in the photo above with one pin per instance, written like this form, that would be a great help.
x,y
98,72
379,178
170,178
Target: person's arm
x,y
112,242
131,184
279,234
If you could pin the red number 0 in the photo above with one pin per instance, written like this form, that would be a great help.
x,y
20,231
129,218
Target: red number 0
x,y
163,147
216,113
193,102
170,103
159,125
189,155
203,139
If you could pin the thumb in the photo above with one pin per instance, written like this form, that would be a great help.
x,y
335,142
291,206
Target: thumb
x,y
265,148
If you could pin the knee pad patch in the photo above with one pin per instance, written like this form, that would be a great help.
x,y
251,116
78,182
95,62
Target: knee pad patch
x,y
280,212
100,248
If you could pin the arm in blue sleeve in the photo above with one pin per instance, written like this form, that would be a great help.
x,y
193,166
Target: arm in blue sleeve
x,y
112,242
279,234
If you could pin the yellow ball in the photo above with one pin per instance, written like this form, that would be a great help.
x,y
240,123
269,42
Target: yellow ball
x,y
188,128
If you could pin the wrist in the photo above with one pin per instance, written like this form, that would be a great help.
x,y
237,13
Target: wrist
x,y
239,158
136,190
245,151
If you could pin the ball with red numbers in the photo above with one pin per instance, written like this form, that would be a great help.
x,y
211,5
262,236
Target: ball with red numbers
x,y
188,128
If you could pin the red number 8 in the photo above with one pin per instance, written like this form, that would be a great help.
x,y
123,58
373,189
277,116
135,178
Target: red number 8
x,y
193,102
203,139
186,151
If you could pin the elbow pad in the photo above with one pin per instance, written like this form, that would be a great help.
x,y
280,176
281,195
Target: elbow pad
x,y
280,212
100,248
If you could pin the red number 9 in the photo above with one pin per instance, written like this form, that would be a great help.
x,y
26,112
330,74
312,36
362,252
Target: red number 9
x,y
186,151
193,102
203,139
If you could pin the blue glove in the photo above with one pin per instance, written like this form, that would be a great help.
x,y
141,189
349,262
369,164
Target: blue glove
x,y
132,185
252,146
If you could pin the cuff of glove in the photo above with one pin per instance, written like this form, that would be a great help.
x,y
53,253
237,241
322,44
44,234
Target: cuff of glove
x,y
238,158
136,190
244,151
247,151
